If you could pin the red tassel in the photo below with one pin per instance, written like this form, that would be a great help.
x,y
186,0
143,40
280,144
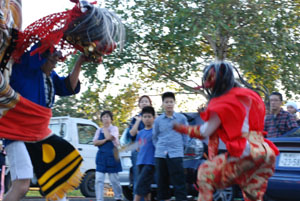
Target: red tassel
x,y
48,30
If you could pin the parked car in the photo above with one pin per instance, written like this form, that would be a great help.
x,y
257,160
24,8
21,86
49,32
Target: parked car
x,y
194,156
80,133
285,183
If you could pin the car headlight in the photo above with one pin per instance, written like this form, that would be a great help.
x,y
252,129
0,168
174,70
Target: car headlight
x,y
194,149
199,148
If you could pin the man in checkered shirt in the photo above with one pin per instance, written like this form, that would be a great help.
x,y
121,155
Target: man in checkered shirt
x,y
278,121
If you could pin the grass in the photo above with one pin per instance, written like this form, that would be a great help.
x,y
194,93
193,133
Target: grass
x,y
34,192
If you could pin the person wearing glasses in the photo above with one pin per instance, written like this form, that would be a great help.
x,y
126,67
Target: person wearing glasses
x,y
278,121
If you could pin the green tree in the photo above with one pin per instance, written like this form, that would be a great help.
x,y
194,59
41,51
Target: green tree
x,y
171,40
91,103
66,106
122,105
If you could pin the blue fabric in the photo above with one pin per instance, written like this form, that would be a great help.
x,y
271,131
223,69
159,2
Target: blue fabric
x,y
146,152
105,160
134,153
140,127
27,79
167,141
2,159
135,171
125,140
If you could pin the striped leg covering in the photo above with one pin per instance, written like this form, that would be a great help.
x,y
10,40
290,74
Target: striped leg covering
x,y
56,164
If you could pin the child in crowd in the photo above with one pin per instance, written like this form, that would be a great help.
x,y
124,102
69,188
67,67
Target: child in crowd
x,y
145,158
169,151
135,126
293,109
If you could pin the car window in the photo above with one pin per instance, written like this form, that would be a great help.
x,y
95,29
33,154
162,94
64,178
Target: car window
x,y
193,118
59,129
86,133
293,133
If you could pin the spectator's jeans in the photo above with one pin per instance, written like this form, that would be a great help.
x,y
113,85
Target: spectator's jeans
x,y
134,168
99,185
170,169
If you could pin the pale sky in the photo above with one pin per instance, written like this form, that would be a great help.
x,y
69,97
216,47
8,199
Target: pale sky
x,y
36,9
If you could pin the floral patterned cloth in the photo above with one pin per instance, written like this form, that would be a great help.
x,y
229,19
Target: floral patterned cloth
x,y
10,18
251,173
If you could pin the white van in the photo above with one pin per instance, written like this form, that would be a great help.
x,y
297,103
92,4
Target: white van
x,y
80,133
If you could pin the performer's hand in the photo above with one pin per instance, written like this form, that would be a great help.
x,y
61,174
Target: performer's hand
x,y
82,58
181,128
202,108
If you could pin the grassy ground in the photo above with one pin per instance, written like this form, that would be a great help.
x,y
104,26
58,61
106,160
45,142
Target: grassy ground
x,y
36,193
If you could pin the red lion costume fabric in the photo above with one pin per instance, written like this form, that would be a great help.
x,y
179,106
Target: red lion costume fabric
x,y
234,115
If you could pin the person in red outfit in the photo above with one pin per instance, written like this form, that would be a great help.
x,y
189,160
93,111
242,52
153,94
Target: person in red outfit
x,y
234,115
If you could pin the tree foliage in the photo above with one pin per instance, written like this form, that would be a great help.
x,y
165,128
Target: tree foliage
x,y
171,41
91,103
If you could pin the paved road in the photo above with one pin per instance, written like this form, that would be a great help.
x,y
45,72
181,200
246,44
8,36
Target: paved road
x,y
70,199
82,199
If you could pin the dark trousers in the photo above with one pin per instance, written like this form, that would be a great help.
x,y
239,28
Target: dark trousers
x,y
134,167
170,170
135,172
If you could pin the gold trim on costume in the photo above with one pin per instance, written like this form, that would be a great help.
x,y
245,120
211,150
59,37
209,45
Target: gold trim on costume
x,y
53,170
61,174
